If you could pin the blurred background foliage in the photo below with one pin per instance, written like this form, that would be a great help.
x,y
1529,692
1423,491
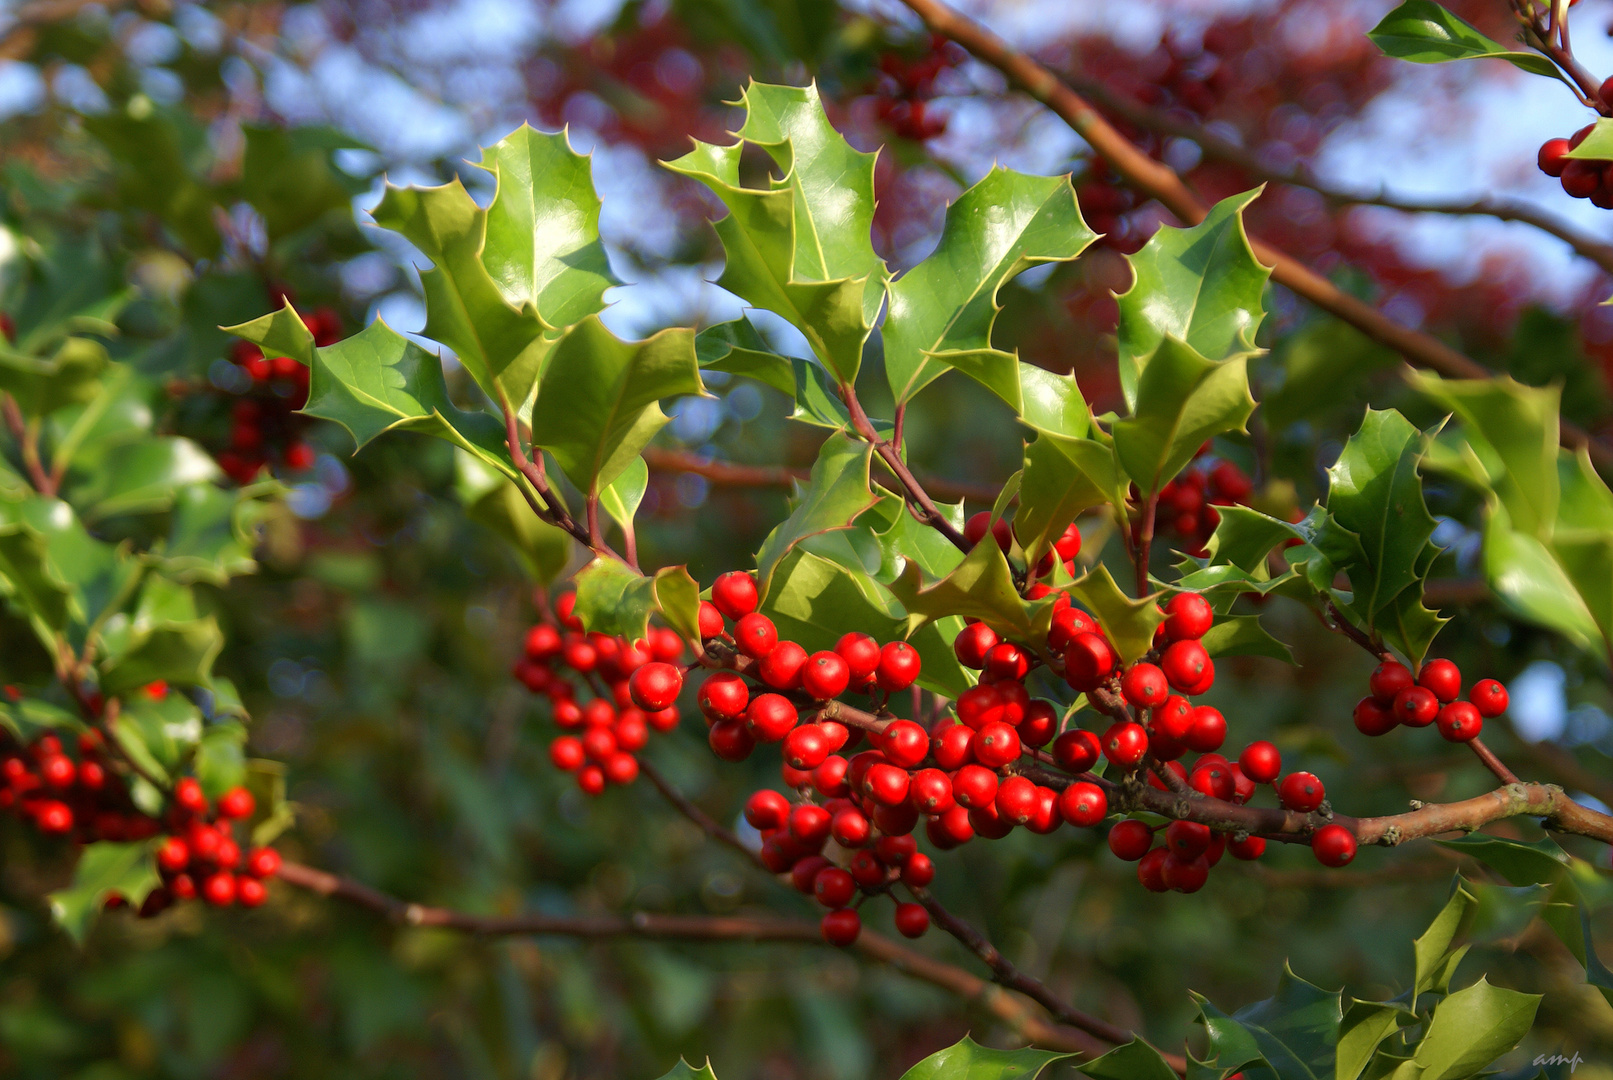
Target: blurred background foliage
x,y
214,156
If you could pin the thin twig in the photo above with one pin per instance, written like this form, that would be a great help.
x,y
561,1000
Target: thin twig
x,y
730,474
28,443
1145,540
705,821
1491,762
918,499
1159,181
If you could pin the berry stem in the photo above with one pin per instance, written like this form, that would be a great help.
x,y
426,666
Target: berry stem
x,y
1145,542
1491,762
553,509
703,820
27,437
918,500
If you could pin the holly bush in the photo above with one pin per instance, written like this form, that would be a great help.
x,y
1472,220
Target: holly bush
x,y
545,684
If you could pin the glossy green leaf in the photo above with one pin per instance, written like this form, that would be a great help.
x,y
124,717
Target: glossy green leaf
x,y
1520,862
1323,365
968,1060
1243,635
1128,622
1182,399
835,494
1297,1028
982,587
543,247
597,405
212,532
1586,557
1518,424
1471,1028
1060,479
30,717
143,477
1364,1027
1135,1060
494,501
165,638
1426,33
1585,500
736,348
622,498
902,539
279,333
28,579
1244,537
288,176
1407,623
814,601
153,148
220,762
803,248
266,780
1529,581
1002,225
677,597
615,599
42,385
1598,145
1201,285
129,870
502,347
684,1071
1434,945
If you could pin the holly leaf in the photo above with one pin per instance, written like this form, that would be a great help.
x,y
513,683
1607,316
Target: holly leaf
x,y
288,176
1598,145
944,308
677,597
684,1071
42,386
165,639
615,599
1135,1060
212,532
1129,623
1431,949
105,868
542,247
597,402
622,498
502,347
143,477
220,761
1201,285
737,348
279,333
30,717
1423,32
1244,635
1244,537
835,494
1060,479
981,587
968,1060
1364,1027
1181,400
1473,1027
1528,580
492,500
903,539
801,249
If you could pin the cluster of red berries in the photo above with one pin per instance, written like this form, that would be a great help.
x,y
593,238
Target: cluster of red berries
x,y
1064,549
202,857
1187,504
610,728
1591,180
1432,697
905,86
86,800
264,424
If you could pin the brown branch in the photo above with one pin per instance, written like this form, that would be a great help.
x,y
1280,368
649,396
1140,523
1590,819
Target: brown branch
x,y
1006,974
1145,541
1158,181
643,924
918,500
729,474
1220,149
1491,762
705,821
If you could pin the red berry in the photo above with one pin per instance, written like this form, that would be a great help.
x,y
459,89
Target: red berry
x,y
953,746
299,457
1213,778
1076,750
711,624
825,676
723,696
598,743
756,635
974,786
1443,678
1188,617
1184,664
1041,723
656,686
996,745
898,666
730,740
1083,804
861,654
975,529
1088,660
912,920
1016,799
981,705
1130,839
663,719
173,856
930,792
1553,156
188,794
263,862
1005,660
1415,706
665,645
1144,686
1045,815
1207,731
833,887
1489,697
809,825
1388,679
806,747
918,871
1301,791
1125,743
1249,848
237,803
1067,623
1068,545
543,642
905,743
632,733
972,644
850,829
1187,839
249,892
1185,875
841,927
219,889
1581,179
1460,721
734,593
1371,718
621,768
57,770
782,668
1151,870
898,820
887,784
566,753
1261,762
767,809
770,717
895,850
1333,845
